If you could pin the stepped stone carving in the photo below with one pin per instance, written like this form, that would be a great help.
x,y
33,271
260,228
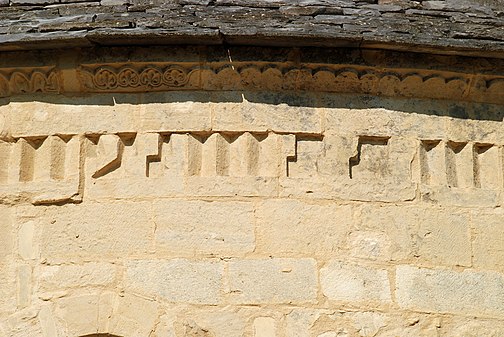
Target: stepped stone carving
x,y
189,154
371,159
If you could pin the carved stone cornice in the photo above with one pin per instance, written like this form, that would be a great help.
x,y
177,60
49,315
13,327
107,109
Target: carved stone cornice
x,y
441,81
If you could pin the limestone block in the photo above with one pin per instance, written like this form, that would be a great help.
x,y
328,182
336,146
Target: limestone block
x,y
47,321
214,321
188,164
264,327
260,117
70,118
355,284
24,323
461,326
278,280
8,287
230,186
355,167
383,122
24,285
96,230
394,224
178,115
468,292
293,227
80,314
6,234
133,316
344,188
466,129
308,322
212,228
488,239
26,240
176,280
463,197
433,235
443,237
52,278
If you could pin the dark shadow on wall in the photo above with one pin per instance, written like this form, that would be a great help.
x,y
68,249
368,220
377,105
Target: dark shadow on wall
x,y
454,109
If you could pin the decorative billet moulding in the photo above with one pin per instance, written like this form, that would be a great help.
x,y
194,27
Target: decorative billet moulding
x,y
142,77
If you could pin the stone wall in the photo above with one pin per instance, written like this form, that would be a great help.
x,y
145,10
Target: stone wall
x,y
194,213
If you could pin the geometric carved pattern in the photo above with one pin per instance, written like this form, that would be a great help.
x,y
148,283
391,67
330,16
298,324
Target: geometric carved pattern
x,y
185,154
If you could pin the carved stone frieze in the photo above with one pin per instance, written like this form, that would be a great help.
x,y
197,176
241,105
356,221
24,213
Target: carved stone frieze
x,y
332,78
133,77
30,80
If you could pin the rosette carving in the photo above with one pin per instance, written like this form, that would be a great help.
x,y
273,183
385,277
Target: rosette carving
x,y
128,77
105,79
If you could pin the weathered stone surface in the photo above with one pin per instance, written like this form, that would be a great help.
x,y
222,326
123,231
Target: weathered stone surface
x,y
272,281
488,245
250,116
177,280
6,234
431,235
441,290
291,227
355,284
96,230
214,228
91,274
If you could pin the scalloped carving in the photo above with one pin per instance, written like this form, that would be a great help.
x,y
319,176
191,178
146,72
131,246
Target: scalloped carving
x,y
28,81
